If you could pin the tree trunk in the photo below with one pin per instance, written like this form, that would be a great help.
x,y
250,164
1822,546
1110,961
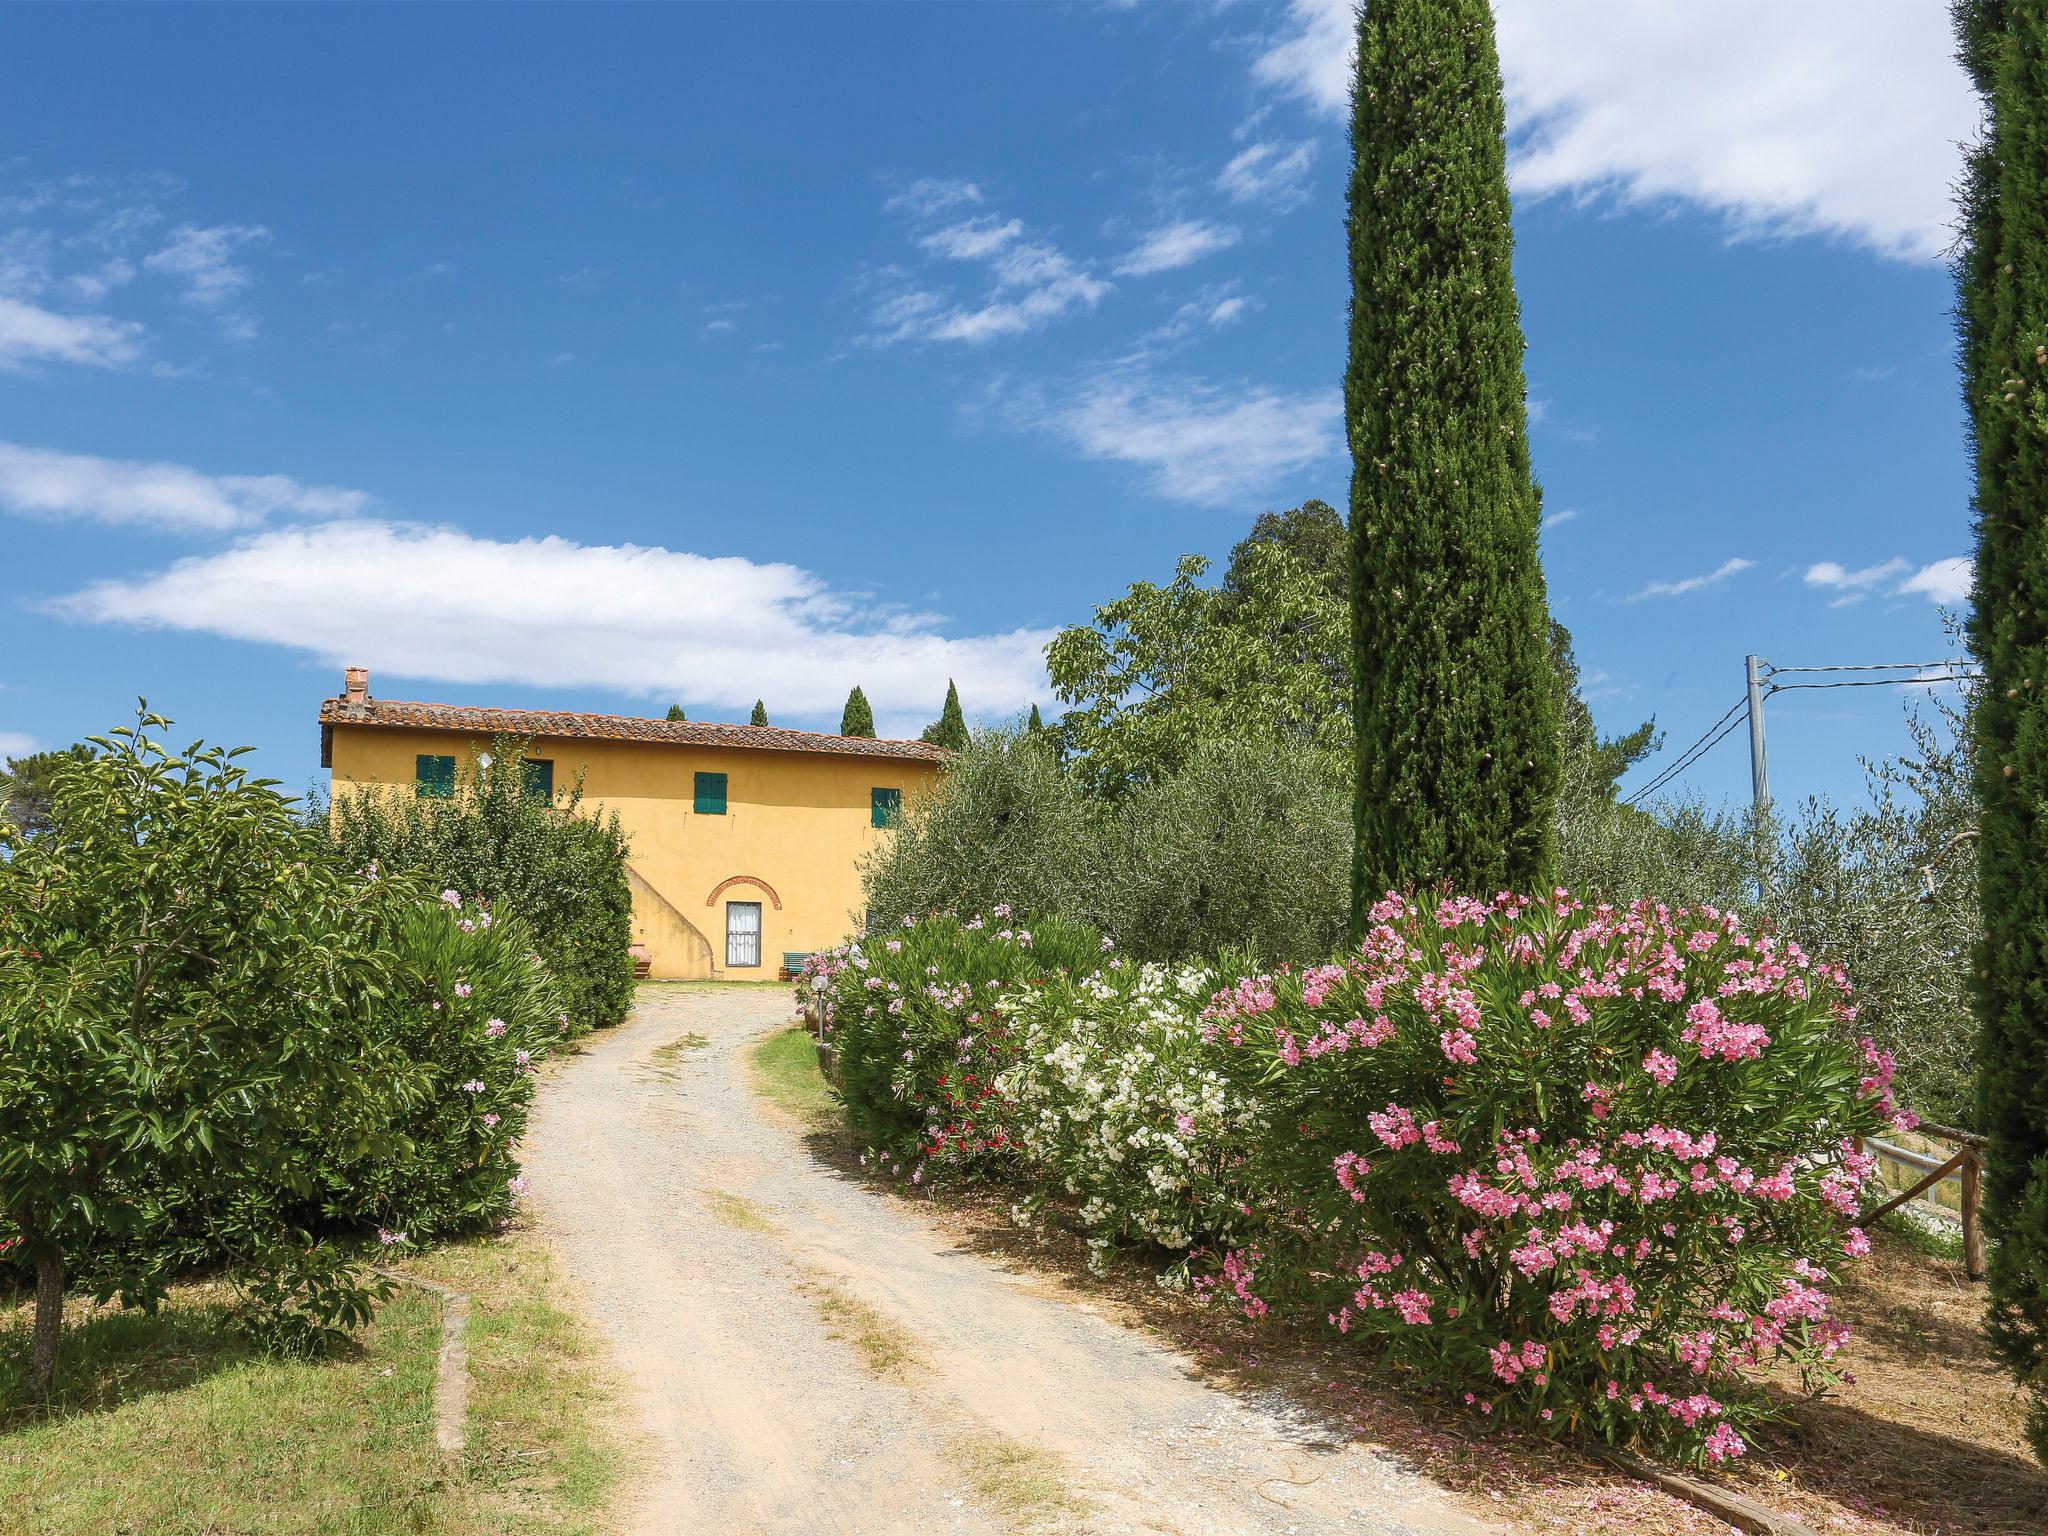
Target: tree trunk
x,y
49,1326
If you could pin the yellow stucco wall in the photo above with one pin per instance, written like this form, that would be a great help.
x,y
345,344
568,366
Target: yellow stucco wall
x,y
798,822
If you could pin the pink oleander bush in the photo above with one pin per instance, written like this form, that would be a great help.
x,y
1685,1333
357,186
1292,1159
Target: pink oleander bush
x,y
1584,1169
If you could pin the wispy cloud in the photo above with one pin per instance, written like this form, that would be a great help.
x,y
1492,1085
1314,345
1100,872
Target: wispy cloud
x,y
973,239
1715,577
41,482
1194,440
441,604
930,196
16,744
1833,117
1269,171
1560,518
1180,244
204,262
32,334
1032,282
1852,585
1944,581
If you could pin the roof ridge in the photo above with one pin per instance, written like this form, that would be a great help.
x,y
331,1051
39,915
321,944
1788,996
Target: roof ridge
x,y
421,714
593,714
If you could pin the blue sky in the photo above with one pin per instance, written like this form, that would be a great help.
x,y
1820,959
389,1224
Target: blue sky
x,y
592,358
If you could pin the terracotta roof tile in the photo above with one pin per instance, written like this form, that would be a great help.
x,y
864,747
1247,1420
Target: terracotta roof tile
x,y
403,715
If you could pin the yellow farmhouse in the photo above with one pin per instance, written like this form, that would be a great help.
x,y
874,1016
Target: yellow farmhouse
x,y
746,840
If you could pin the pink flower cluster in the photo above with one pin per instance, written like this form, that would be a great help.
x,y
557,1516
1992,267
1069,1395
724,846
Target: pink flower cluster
x,y
1660,1226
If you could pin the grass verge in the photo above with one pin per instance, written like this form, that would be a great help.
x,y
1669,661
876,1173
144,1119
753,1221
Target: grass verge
x,y
784,1070
173,1425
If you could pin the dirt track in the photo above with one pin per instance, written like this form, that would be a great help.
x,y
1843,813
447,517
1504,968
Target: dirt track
x,y
807,1357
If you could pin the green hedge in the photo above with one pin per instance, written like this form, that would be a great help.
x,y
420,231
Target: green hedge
x,y
560,872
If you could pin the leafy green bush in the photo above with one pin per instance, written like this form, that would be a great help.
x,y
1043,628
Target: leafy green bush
x,y
189,987
222,1045
473,1011
1240,844
1245,845
1003,824
561,873
908,1012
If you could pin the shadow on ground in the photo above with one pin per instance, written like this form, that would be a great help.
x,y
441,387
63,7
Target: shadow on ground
x,y
1881,1452
112,1357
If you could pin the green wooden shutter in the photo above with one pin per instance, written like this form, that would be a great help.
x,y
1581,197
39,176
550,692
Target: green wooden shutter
x,y
885,806
710,794
539,774
433,777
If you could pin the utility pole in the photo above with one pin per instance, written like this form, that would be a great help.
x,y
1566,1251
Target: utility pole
x,y
1759,775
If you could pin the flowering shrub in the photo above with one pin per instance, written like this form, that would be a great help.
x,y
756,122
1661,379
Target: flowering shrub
x,y
472,1014
910,1014
1583,1168
1113,1099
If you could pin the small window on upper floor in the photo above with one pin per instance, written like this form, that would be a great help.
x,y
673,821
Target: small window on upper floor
x,y
433,777
710,794
539,773
885,806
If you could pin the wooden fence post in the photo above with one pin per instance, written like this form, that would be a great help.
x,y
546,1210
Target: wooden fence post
x,y
1973,1227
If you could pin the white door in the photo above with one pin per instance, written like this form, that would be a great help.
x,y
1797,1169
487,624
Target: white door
x,y
742,933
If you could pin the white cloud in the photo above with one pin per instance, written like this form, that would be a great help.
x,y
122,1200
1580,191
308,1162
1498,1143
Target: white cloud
x,y
439,604
1032,281
1268,171
203,261
1175,245
1945,581
973,239
1558,519
29,334
16,744
1828,574
1719,574
1196,441
1836,117
41,482
931,195
1229,311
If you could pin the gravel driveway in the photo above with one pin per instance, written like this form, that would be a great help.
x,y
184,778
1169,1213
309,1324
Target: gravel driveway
x,y
755,1299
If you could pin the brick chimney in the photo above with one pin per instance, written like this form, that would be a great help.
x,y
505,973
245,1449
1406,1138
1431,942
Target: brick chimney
x,y
355,685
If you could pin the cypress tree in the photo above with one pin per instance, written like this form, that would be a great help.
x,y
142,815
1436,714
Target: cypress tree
x,y
950,729
1455,705
857,719
675,712
1036,724
2002,316
760,714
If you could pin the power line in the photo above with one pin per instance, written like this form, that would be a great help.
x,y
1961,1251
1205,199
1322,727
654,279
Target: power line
x,y
1873,666
1880,682
1693,753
